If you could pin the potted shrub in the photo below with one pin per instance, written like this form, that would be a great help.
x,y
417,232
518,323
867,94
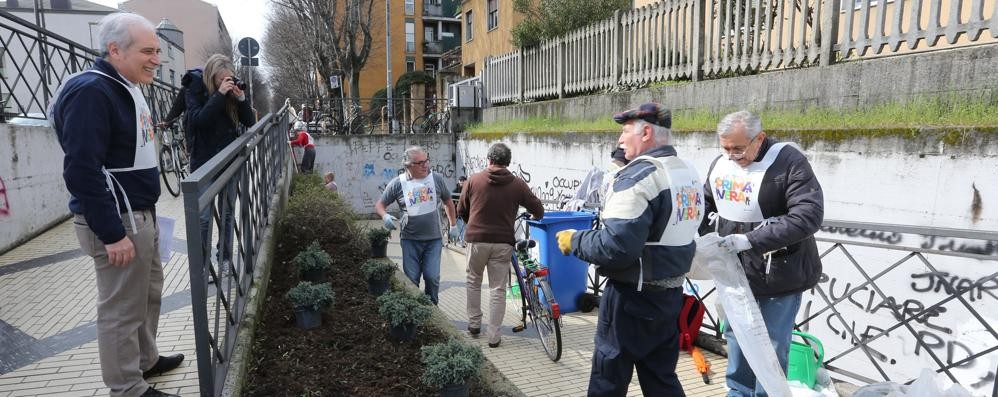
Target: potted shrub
x,y
378,274
404,312
308,301
312,263
450,366
379,241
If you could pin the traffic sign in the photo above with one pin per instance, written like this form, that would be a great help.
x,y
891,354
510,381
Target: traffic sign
x,y
244,61
249,47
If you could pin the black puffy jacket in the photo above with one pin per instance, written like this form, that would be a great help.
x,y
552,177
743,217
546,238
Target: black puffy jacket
x,y
791,199
209,127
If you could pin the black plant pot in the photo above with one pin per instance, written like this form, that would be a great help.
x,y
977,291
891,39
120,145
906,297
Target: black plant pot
x,y
377,287
314,275
379,249
306,318
404,333
454,390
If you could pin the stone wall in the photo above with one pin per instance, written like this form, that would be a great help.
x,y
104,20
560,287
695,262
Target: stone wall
x,y
33,194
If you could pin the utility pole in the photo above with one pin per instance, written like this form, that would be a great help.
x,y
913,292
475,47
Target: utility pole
x,y
388,63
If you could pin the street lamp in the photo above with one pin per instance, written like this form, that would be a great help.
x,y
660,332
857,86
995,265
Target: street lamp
x,y
388,64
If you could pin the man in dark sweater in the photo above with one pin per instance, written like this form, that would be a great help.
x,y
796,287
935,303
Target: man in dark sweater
x,y
488,204
105,129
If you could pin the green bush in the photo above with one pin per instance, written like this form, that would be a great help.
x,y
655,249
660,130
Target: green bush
x,y
317,214
301,183
306,294
378,235
400,308
450,363
378,270
312,258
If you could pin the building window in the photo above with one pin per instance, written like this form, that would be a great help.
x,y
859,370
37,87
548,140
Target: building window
x,y
410,7
468,27
429,34
159,73
169,51
173,78
493,17
430,68
410,36
410,65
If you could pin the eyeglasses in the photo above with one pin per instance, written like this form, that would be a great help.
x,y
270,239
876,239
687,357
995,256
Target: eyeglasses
x,y
424,162
739,155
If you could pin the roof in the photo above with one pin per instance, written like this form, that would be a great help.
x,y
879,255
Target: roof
x,y
165,24
74,6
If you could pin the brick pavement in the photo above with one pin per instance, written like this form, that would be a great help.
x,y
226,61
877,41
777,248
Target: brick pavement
x,y
48,333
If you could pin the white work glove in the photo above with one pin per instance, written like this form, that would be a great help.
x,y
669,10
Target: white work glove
x,y
453,233
736,243
390,221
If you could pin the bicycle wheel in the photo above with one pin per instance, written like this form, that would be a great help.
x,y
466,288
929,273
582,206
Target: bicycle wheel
x,y
548,328
168,170
421,125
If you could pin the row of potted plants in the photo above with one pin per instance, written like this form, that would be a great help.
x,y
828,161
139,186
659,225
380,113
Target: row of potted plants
x,y
311,296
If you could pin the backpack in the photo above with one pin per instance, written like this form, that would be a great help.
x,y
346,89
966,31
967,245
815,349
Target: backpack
x,y
690,319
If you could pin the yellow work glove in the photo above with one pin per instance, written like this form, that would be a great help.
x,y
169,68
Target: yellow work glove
x,y
565,240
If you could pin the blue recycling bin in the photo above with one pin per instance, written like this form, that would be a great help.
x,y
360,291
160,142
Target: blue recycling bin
x,y
566,273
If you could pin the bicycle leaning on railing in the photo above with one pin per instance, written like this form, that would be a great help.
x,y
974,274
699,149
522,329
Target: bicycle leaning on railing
x,y
173,158
432,122
536,295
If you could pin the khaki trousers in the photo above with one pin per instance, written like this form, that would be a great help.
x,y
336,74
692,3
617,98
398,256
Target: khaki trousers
x,y
128,302
496,258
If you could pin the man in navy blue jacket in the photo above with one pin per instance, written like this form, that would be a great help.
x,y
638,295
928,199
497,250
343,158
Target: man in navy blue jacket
x,y
105,129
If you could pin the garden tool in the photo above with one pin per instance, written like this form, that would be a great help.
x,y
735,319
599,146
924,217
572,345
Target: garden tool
x,y
702,365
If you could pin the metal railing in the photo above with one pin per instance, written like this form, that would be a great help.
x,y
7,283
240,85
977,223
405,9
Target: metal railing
x,y
693,39
893,299
35,63
348,116
240,182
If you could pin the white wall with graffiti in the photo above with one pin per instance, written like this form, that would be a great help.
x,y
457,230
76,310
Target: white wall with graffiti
x,y
33,195
363,164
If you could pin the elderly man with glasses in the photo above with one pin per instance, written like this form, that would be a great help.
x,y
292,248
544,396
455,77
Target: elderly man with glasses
x,y
763,197
419,193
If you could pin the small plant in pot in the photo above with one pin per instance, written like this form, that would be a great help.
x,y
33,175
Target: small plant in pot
x,y
308,301
451,366
378,273
379,241
404,312
312,263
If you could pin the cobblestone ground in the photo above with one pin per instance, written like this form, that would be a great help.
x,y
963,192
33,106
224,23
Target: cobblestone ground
x,y
48,326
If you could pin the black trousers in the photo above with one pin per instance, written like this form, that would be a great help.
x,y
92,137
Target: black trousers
x,y
637,329
308,160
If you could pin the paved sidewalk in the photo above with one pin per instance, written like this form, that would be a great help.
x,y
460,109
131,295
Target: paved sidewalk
x,y
48,325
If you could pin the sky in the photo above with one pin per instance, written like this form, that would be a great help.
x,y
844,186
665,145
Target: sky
x,y
243,18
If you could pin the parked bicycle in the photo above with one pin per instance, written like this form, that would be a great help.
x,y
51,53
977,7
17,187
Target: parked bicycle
x,y
536,295
432,122
173,158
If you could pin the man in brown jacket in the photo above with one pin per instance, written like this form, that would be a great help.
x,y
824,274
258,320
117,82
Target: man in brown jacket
x,y
488,204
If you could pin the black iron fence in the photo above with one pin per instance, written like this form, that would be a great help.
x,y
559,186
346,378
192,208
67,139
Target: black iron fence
x,y
352,116
894,299
34,62
231,196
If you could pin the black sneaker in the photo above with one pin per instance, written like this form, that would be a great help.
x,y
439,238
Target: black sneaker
x,y
474,331
163,364
495,345
150,392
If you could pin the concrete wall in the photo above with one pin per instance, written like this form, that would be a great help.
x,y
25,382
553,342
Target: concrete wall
x,y
965,72
33,195
364,164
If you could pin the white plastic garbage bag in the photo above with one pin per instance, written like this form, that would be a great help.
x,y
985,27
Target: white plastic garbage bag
x,y
165,237
743,314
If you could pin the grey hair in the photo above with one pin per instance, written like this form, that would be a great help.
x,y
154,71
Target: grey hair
x,y
499,154
116,28
662,135
751,121
412,150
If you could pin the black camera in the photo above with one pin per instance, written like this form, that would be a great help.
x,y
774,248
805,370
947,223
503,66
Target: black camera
x,y
239,83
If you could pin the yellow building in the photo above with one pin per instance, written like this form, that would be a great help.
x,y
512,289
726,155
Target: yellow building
x,y
487,27
421,31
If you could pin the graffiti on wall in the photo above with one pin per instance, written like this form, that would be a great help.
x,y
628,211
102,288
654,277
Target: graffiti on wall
x,y
4,203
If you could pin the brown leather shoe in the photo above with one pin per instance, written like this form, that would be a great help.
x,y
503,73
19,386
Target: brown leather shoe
x,y
164,364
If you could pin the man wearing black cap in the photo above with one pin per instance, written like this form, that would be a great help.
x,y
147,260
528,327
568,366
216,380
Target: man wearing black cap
x,y
652,209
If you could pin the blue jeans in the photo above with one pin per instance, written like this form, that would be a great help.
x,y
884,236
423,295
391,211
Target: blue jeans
x,y
224,245
778,313
422,258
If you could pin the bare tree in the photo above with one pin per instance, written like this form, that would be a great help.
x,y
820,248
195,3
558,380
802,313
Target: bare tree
x,y
339,32
289,53
221,46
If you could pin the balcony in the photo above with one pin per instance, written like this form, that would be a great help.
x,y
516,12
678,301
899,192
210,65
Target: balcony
x,y
441,9
436,48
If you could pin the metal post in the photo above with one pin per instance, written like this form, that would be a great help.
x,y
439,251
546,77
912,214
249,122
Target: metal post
x,y
699,31
251,82
830,31
388,64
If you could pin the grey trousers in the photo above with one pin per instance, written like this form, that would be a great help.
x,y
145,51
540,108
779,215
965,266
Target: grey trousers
x,y
496,258
128,302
